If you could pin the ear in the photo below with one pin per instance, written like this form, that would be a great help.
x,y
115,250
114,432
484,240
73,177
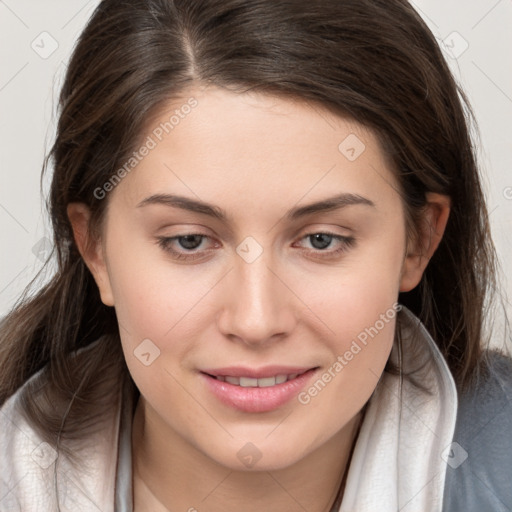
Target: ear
x,y
91,249
419,251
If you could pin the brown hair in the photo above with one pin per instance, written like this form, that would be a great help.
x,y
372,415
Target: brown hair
x,y
373,60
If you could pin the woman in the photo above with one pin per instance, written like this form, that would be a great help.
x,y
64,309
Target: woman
x,y
274,261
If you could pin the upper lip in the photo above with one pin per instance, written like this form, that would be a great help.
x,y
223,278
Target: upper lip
x,y
259,373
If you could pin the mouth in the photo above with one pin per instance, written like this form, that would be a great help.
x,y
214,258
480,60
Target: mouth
x,y
255,393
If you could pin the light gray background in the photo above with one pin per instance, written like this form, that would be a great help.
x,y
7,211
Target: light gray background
x,y
475,34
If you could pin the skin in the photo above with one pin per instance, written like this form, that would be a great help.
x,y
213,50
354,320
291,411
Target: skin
x,y
298,303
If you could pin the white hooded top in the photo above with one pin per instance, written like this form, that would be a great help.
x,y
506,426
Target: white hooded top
x,y
398,463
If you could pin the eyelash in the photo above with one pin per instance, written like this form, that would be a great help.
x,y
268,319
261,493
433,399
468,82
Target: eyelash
x,y
165,243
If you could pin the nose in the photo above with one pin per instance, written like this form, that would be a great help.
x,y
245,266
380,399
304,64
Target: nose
x,y
257,307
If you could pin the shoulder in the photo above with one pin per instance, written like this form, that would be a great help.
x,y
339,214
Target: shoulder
x,y
39,475
479,475
26,461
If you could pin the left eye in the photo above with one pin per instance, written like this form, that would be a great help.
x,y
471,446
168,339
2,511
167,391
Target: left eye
x,y
192,241
322,239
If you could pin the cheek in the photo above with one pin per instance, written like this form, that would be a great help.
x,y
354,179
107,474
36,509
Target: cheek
x,y
360,310
353,295
358,304
153,295
157,306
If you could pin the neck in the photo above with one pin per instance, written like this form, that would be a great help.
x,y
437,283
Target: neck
x,y
170,474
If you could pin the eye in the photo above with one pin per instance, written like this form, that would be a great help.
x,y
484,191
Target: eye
x,y
322,240
187,242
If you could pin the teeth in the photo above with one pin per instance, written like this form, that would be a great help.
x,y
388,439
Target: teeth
x,y
266,382
248,382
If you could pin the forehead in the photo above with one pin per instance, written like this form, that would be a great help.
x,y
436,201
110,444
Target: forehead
x,y
214,143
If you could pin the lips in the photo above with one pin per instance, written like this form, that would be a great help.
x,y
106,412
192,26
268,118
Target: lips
x,y
262,390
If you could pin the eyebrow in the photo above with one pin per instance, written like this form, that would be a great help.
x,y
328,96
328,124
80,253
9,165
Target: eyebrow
x,y
325,205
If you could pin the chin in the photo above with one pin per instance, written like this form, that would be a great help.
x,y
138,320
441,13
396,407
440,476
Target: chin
x,y
259,456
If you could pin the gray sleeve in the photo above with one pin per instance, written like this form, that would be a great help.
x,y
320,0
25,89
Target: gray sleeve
x,y
483,481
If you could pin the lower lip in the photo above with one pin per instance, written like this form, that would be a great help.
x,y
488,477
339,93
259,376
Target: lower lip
x,y
257,399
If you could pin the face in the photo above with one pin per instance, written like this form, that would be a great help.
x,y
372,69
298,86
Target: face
x,y
242,277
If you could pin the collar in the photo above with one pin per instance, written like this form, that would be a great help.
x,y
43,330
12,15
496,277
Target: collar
x,y
399,459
